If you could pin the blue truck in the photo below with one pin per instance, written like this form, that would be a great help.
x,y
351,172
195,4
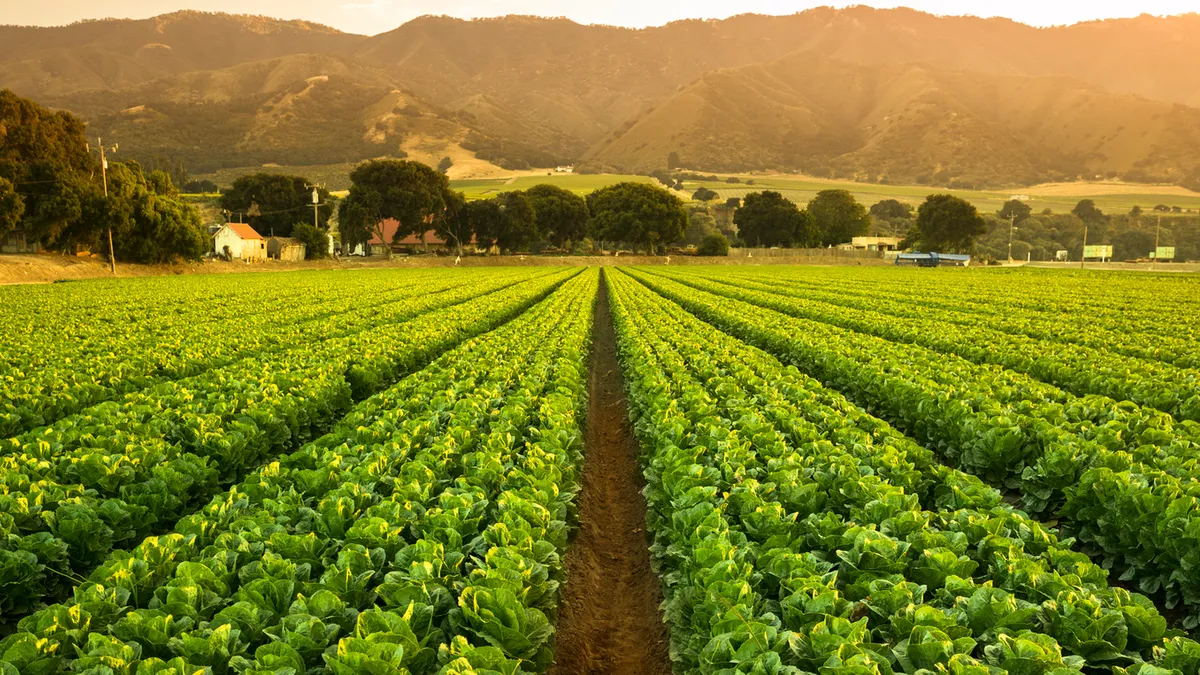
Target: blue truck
x,y
918,259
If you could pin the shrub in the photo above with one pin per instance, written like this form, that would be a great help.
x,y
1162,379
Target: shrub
x,y
713,245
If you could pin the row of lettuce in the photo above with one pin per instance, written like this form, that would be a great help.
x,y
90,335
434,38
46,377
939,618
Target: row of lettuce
x,y
57,362
1079,369
423,534
1119,478
1139,303
115,473
795,533
1141,318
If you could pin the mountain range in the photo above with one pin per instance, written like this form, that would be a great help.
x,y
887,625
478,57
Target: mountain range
x,y
880,95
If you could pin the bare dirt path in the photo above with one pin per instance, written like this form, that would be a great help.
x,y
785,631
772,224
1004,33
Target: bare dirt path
x,y
609,621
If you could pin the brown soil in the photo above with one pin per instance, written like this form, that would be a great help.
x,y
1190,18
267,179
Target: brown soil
x,y
609,621
44,268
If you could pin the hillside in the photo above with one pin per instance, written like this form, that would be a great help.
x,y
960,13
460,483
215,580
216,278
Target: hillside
x,y
979,99
301,109
119,53
907,123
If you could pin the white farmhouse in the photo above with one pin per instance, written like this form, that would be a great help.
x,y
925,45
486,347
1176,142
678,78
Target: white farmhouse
x,y
239,241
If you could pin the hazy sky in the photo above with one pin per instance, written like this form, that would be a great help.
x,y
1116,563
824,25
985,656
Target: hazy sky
x,y
376,16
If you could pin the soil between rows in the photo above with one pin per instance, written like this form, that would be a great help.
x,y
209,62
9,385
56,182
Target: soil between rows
x,y
609,620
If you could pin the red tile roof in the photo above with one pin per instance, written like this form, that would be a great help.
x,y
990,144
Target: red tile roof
x,y
244,231
390,225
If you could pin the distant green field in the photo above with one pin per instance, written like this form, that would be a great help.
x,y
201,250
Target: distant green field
x,y
1110,198
801,191
333,176
577,183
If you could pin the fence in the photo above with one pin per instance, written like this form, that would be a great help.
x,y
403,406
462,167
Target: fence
x,y
804,253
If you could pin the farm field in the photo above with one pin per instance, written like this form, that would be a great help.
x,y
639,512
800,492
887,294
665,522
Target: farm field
x,y
646,470
1059,197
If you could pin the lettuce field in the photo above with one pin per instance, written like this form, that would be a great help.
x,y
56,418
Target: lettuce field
x,y
767,470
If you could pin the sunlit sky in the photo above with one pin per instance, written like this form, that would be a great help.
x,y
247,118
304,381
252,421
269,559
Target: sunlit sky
x,y
376,16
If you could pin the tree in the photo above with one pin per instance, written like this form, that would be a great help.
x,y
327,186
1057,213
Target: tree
x,y
282,202
705,195
1014,210
638,213
12,207
714,244
890,209
768,219
200,187
519,227
700,225
1086,211
947,224
315,240
410,192
444,165
150,223
562,215
673,161
44,157
485,219
1132,244
1135,211
838,216
454,223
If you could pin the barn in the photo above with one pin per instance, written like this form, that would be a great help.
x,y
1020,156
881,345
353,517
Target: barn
x,y
286,249
239,241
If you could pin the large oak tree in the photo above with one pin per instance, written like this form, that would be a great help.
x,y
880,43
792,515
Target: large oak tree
x,y
640,214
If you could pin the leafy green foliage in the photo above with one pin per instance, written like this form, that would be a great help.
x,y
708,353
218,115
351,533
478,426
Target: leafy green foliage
x,y
714,244
274,203
946,224
315,240
838,217
1087,211
519,225
110,475
1015,210
410,192
12,207
790,538
768,219
890,209
639,214
562,215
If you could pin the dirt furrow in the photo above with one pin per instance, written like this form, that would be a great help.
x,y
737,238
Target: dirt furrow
x,y
609,620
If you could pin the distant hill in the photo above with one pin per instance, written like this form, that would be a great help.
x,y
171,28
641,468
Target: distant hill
x,y
907,123
118,53
896,94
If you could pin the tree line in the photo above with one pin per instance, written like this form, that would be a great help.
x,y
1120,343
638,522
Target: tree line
x,y
52,191
420,199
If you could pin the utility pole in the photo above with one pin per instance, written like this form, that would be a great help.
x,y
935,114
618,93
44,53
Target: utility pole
x,y
316,203
1083,252
112,259
1157,230
1012,225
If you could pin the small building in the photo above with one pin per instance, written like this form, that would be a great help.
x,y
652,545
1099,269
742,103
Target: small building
x,y
286,249
872,244
16,242
239,241
429,242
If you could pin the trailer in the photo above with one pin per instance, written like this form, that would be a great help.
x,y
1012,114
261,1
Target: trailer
x,y
931,259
